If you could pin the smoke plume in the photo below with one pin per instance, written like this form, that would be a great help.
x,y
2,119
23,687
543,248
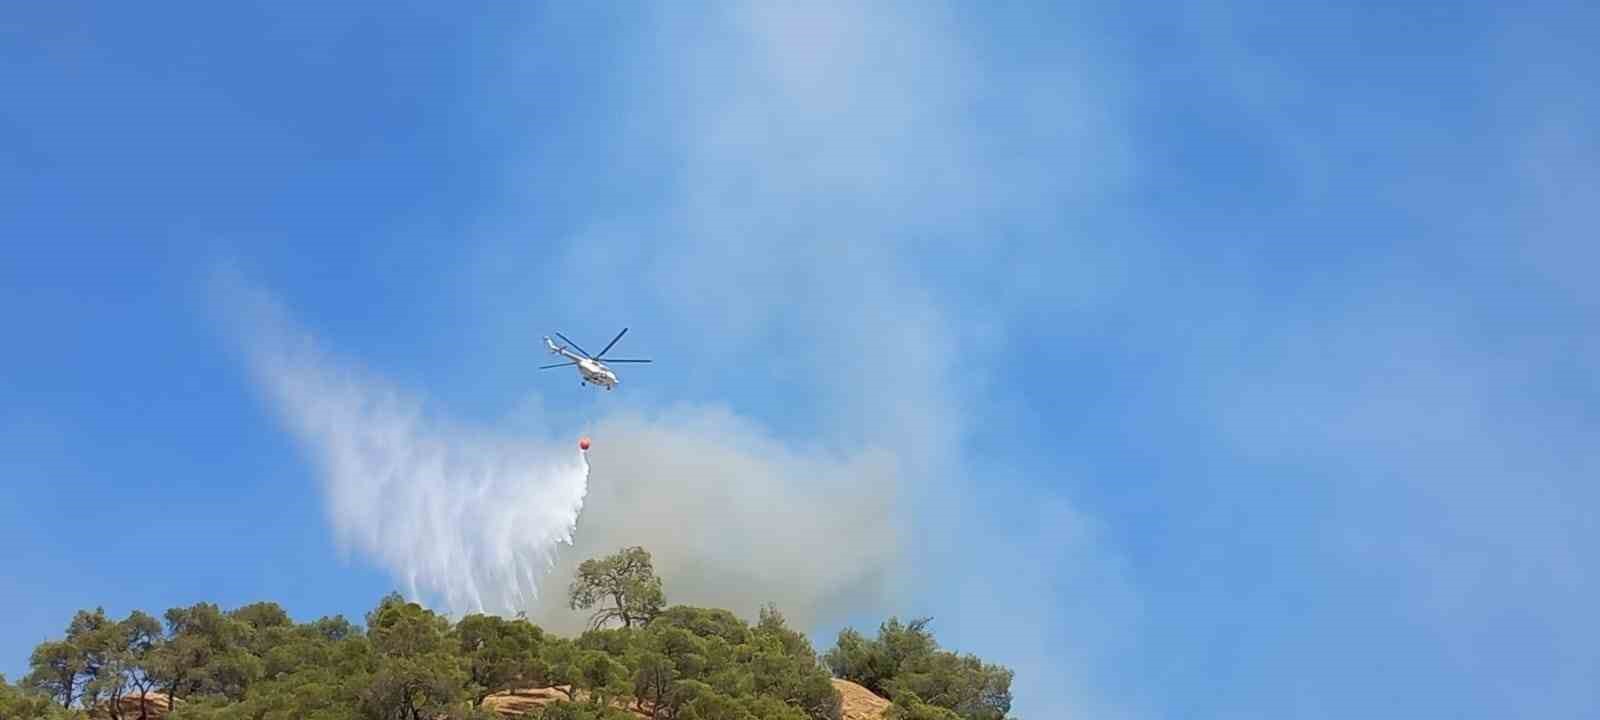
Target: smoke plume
x,y
469,518
736,518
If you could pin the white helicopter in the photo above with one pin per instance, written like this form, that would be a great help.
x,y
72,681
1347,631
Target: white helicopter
x,y
590,369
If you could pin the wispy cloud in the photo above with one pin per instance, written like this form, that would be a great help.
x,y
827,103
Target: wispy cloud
x,y
1390,415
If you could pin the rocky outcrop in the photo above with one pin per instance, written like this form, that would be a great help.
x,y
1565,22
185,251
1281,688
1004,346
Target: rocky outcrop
x,y
156,706
859,702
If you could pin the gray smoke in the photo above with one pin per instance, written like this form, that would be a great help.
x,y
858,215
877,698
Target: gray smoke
x,y
734,518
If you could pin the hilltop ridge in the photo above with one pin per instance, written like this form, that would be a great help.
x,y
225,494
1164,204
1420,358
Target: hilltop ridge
x,y
639,658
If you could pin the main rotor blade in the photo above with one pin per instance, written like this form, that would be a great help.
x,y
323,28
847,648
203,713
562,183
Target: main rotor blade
x,y
609,344
547,367
575,345
608,361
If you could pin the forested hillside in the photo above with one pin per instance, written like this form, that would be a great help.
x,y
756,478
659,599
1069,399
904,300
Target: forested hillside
x,y
640,658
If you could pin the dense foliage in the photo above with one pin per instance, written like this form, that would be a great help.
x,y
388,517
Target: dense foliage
x,y
409,663
19,704
926,683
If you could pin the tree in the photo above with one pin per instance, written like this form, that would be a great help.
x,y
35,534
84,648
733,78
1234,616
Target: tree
x,y
409,663
135,657
612,641
84,667
767,707
706,623
579,711
262,615
602,676
333,628
874,663
563,668
19,703
414,688
405,629
419,673
265,625
107,654
93,634
311,678
965,684
55,670
907,706
500,654
712,705
623,585
206,653
653,677
905,662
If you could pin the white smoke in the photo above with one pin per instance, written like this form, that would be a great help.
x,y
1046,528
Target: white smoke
x,y
736,518
473,520
457,513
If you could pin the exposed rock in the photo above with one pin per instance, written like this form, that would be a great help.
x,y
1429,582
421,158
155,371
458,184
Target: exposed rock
x,y
517,703
156,706
859,702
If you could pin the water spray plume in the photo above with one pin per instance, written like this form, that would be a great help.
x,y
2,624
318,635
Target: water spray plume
x,y
456,513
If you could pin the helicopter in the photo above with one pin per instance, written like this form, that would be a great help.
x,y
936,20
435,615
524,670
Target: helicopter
x,y
590,368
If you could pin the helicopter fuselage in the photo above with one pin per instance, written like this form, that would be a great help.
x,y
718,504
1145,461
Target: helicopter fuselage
x,y
591,371
596,373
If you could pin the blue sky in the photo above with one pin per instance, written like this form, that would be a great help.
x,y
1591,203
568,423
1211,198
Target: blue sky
x,y
1232,359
